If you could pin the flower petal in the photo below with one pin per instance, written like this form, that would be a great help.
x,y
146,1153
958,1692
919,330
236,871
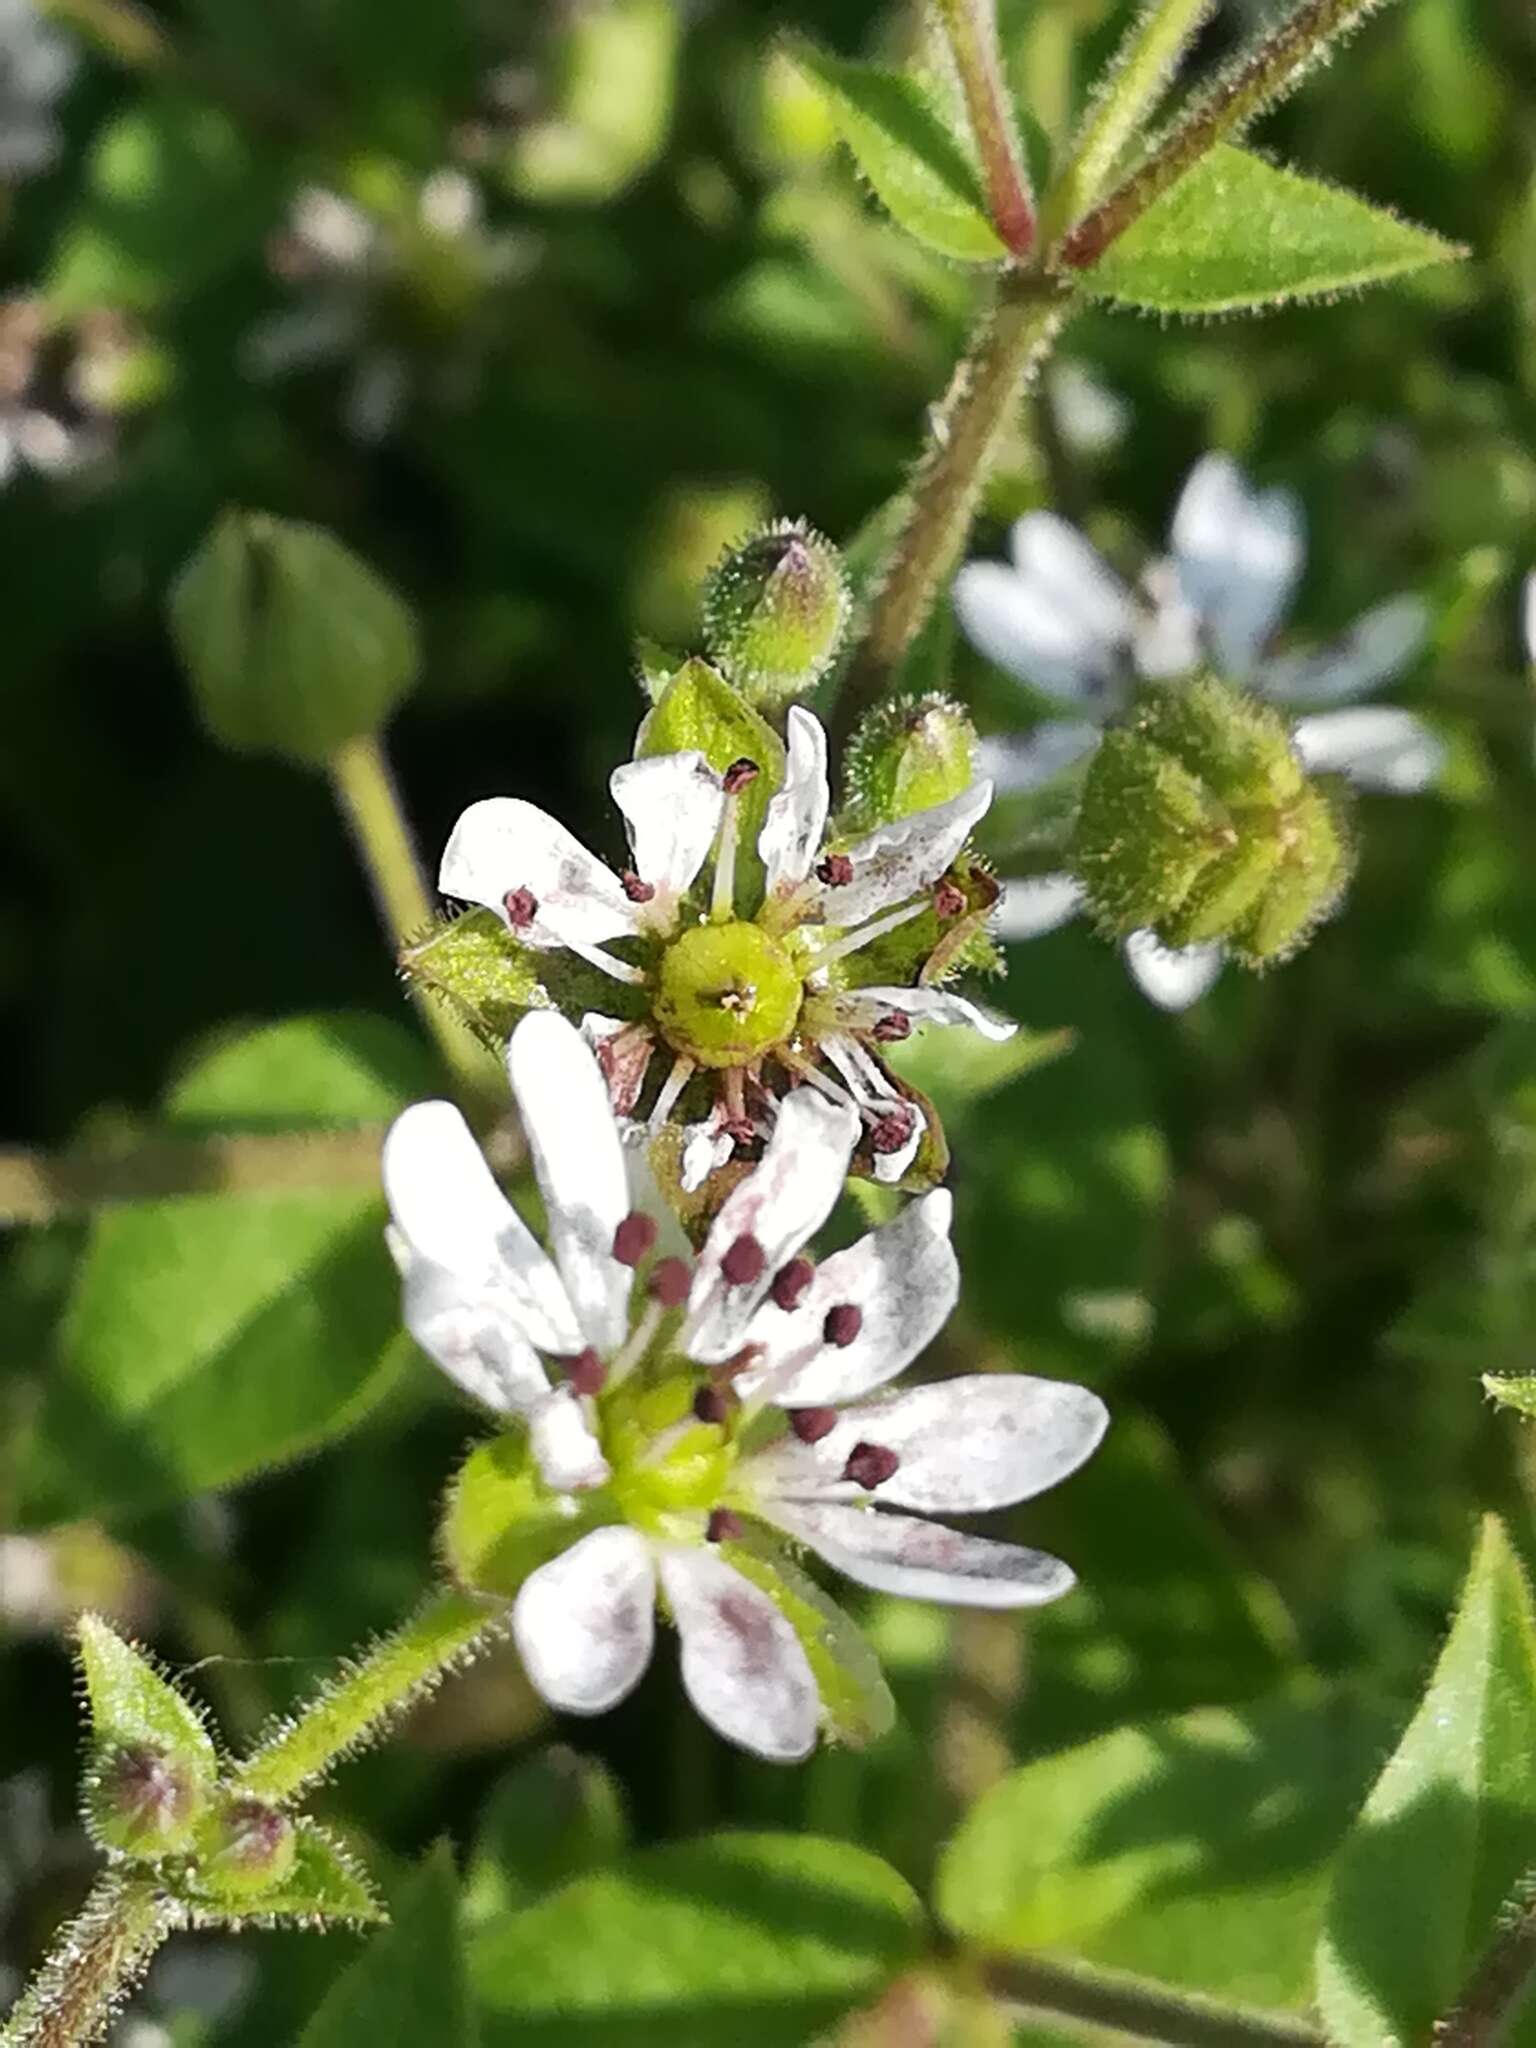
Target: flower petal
x,y
1028,762
896,860
924,1560
475,1337
1173,977
797,814
672,805
449,1212
743,1666
1239,553
780,1203
579,1160
867,1006
1378,746
871,1087
1032,908
964,1445
568,1455
1378,646
705,1147
585,1622
904,1280
1059,619
504,844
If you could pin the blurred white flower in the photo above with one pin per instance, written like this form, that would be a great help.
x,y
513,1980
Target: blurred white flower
x,y
36,65
59,387
1059,619
704,1407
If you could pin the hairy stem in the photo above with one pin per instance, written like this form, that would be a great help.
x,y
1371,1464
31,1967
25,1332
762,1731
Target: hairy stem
x,y
1140,70
368,1693
970,28
1272,69
96,1961
1496,1988
1010,343
1143,2010
370,803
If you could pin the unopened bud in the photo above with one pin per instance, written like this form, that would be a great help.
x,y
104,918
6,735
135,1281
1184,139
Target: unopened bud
x,y
907,756
1198,822
245,1848
143,1801
774,611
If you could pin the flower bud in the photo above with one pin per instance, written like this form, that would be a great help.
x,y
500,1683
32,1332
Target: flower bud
x,y
142,1801
245,1847
1198,821
908,755
774,611
293,645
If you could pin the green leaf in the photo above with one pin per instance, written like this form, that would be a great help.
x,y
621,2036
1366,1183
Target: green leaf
x,y
1237,232
698,710
915,164
709,1944
1191,1849
133,1706
324,1888
293,645
212,1335
550,1818
501,1522
408,1986
1445,1837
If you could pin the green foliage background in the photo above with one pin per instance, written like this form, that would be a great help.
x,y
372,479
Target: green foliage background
x,y
1286,1234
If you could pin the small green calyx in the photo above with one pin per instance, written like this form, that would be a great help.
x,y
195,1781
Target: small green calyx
x,y
1198,822
245,1847
774,611
726,994
907,756
142,1801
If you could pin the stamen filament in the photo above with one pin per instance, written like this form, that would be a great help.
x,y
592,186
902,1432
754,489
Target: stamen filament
x,y
636,1344
862,935
605,963
671,1088
722,902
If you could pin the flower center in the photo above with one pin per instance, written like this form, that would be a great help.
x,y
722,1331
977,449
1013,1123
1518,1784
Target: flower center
x,y
726,993
666,1461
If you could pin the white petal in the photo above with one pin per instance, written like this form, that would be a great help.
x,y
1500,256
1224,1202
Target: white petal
x,y
928,1006
474,1335
1031,908
896,860
504,844
780,1203
1377,647
1167,640
924,1560
743,1665
1378,746
584,1623
890,1166
1019,765
450,1212
1239,553
965,1445
705,1146
1173,977
671,805
568,1455
1060,619
903,1278
1528,616
579,1160
797,815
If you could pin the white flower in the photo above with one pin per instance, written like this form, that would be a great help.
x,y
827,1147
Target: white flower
x,y
36,64
752,1331
784,981
1061,620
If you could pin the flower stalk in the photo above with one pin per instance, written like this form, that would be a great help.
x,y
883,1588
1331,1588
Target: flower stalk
x,y
1138,2008
96,1961
1498,1984
970,29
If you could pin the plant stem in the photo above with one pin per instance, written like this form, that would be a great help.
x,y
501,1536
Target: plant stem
x,y
40,1187
1496,1987
351,1709
970,27
1010,342
370,803
1277,64
96,1961
1143,2010
124,31
1139,72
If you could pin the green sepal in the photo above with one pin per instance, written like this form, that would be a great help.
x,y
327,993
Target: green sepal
x,y
908,755
1308,881
1226,895
699,711
153,1764
917,167
481,969
856,1703
1146,829
500,1521
293,646
1235,744
322,1887
1516,1391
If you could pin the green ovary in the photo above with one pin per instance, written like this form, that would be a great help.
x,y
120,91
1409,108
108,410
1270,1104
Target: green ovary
x,y
726,993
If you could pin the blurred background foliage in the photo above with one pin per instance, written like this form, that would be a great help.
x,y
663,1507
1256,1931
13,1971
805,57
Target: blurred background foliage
x,y
536,308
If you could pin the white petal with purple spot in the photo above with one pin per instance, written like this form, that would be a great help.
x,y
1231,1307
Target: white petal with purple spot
x,y
743,1666
672,805
898,1554
926,1006
895,861
503,845
584,1624
797,814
